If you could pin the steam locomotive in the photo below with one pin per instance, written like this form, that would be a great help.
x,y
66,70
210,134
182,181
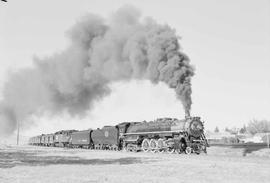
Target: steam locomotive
x,y
162,135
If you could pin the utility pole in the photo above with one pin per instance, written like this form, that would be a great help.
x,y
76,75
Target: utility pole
x,y
267,135
18,132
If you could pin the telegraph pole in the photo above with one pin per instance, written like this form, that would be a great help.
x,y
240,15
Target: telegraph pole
x,y
267,136
18,132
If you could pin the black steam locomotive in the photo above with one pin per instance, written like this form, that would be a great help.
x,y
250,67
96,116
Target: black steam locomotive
x,y
162,135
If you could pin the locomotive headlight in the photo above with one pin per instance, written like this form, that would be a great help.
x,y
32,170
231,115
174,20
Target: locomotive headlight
x,y
196,128
196,125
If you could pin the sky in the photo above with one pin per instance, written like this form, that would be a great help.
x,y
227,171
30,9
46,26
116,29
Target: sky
x,y
228,42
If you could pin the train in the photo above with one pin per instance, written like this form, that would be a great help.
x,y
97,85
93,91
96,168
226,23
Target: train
x,y
169,135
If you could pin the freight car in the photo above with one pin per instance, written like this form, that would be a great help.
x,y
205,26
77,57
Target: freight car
x,y
82,139
63,138
49,140
32,141
35,140
42,139
105,138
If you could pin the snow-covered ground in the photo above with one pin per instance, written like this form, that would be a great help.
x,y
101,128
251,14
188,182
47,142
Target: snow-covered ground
x,y
28,164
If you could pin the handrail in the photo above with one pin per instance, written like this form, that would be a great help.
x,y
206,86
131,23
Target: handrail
x,y
138,133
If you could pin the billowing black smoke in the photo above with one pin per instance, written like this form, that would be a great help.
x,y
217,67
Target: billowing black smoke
x,y
124,47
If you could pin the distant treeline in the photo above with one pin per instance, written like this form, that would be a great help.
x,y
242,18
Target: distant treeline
x,y
258,126
253,127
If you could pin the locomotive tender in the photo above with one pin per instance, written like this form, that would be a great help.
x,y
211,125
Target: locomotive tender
x,y
162,135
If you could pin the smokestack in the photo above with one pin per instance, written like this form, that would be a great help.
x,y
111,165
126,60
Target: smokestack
x,y
187,114
101,52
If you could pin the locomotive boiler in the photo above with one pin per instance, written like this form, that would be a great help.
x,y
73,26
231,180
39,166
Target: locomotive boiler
x,y
164,134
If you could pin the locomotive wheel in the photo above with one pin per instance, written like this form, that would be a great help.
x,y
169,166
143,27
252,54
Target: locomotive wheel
x,y
129,148
160,145
169,146
170,150
114,147
145,145
181,148
178,151
125,149
188,150
153,145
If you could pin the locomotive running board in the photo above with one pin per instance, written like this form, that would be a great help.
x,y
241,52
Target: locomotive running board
x,y
145,133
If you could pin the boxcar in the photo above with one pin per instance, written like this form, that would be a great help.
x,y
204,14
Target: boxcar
x,y
43,140
105,138
82,139
63,138
49,139
37,140
31,141
46,140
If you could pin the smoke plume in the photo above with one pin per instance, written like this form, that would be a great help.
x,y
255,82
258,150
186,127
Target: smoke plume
x,y
100,52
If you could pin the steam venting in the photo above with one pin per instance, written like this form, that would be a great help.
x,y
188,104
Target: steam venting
x,y
122,48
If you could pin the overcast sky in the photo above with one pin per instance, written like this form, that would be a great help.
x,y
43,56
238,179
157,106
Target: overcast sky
x,y
227,41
